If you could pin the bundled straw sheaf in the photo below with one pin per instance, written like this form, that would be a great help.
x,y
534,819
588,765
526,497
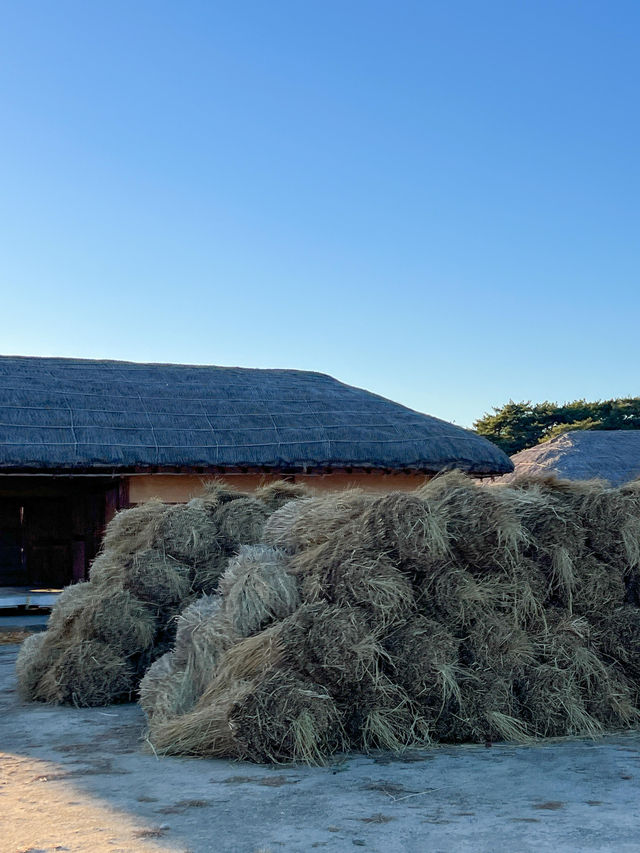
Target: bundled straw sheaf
x,y
458,613
103,635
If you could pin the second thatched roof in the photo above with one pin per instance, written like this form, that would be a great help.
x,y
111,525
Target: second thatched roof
x,y
612,455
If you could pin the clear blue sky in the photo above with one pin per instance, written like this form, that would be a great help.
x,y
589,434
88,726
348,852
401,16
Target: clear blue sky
x,y
438,201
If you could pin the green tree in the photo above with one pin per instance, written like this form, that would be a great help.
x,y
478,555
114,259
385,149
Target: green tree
x,y
516,426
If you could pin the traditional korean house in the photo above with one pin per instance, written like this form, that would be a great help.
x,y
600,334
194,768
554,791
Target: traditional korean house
x,y
80,439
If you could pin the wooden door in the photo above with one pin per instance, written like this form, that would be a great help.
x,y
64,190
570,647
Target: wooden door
x,y
12,558
47,536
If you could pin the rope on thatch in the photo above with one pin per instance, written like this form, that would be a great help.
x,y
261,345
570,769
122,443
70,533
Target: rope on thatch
x,y
69,413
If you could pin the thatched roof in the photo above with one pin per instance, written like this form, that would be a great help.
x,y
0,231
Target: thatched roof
x,y
612,455
80,414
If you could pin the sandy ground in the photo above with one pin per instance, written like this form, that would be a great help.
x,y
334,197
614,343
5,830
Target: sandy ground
x,y
78,780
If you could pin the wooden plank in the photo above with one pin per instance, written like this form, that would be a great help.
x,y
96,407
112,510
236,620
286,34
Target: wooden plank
x,y
79,561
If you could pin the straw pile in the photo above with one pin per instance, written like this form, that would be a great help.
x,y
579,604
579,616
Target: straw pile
x,y
104,634
457,613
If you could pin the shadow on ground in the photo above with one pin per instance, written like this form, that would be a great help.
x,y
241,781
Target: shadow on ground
x,y
78,780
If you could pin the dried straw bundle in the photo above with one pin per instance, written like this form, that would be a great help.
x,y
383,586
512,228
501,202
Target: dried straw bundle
x,y
258,588
332,645
456,598
423,658
598,587
385,717
87,673
189,533
488,710
205,731
155,558
550,512
476,523
313,521
119,620
619,637
280,492
36,656
158,579
494,644
455,614
552,704
406,528
134,529
284,718
157,694
70,604
241,520
342,571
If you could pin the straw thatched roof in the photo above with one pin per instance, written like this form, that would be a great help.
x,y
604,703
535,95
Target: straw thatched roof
x,y
612,455
79,414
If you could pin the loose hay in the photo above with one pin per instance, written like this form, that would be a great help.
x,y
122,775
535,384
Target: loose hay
x,y
458,613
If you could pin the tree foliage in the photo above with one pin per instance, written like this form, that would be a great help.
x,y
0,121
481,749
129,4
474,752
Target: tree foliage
x,y
517,426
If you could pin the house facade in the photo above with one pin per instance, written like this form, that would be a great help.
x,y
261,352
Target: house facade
x,y
81,439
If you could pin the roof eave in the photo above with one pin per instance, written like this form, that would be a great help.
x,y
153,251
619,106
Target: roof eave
x,y
478,470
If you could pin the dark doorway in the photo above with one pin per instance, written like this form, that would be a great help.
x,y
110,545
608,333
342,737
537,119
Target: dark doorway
x,y
51,528
12,567
47,541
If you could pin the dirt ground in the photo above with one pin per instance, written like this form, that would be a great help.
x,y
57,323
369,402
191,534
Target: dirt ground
x,y
79,780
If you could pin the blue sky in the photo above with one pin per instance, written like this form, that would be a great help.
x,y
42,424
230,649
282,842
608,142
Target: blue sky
x,y
438,201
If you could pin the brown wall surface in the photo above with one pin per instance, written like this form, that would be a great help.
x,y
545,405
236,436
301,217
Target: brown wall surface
x,y
177,488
